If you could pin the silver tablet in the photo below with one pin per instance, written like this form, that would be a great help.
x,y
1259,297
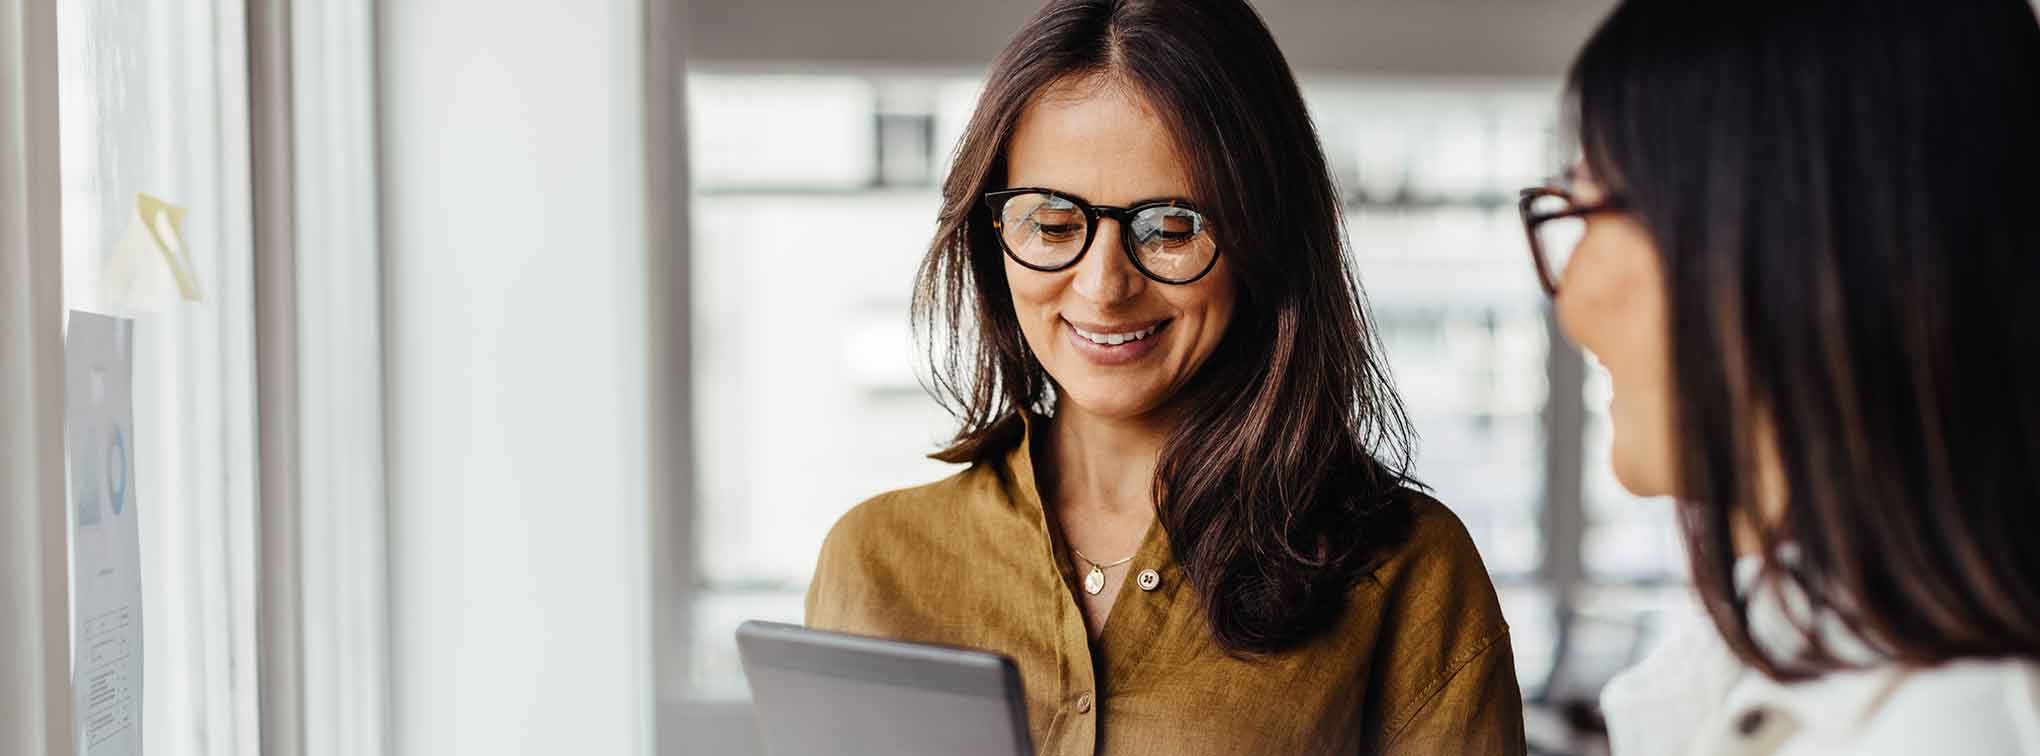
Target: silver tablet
x,y
830,694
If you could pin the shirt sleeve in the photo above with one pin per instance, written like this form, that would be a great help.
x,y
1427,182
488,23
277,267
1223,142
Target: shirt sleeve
x,y
816,615
850,574
829,596
1476,709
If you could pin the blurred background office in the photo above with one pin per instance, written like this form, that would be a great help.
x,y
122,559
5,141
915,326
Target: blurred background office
x,y
818,136
544,341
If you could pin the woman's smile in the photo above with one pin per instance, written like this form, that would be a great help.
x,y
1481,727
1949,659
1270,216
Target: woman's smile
x,y
1115,344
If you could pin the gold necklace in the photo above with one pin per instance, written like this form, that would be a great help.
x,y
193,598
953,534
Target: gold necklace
x,y
1094,581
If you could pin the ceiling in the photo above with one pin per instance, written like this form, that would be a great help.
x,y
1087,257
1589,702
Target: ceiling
x,y
1478,38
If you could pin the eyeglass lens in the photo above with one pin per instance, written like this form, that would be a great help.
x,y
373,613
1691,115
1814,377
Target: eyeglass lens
x,y
1049,232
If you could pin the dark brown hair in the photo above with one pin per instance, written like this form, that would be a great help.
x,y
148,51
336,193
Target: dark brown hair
x,y
1843,196
1284,476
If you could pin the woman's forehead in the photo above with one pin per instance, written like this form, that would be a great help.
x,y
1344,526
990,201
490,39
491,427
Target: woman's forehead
x,y
1099,140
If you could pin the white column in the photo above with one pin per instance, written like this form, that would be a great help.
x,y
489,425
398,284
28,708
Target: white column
x,y
515,309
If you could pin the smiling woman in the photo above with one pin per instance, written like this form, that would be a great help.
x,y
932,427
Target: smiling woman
x,y
1119,336
1187,515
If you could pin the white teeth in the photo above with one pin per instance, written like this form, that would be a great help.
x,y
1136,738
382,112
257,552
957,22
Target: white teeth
x,y
1115,339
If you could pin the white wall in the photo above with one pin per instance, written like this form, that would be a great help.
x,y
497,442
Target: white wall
x,y
513,210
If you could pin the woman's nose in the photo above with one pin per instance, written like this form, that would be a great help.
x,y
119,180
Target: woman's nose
x,y
1105,275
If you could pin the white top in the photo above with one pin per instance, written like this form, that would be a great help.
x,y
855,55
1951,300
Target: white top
x,y
1693,697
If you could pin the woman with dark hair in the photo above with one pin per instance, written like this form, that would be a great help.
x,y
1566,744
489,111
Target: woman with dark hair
x,y
1186,514
1806,238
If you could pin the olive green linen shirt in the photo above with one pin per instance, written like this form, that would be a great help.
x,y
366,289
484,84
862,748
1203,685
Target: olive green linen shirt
x,y
1418,663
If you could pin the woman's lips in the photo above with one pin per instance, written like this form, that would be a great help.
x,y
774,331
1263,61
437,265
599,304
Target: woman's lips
x,y
1137,340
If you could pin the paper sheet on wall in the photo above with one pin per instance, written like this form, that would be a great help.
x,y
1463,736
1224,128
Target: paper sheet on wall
x,y
106,602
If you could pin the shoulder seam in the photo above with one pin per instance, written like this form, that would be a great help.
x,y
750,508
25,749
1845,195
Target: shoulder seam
x,y
1401,721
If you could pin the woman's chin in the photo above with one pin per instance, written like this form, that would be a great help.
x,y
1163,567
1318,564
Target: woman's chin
x,y
1107,405
1637,476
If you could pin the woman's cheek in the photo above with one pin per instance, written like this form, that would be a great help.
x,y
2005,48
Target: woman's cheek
x,y
1611,304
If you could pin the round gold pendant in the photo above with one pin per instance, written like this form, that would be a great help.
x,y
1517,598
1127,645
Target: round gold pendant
x,y
1094,583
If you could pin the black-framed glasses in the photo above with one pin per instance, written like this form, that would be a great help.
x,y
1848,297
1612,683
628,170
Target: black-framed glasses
x,y
1555,223
1047,230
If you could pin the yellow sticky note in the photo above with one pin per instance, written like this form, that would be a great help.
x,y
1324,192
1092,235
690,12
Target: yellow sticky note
x,y
165,223
150,267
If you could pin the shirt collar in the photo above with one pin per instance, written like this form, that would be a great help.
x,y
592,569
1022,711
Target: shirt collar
x,y
1778,607
1019,464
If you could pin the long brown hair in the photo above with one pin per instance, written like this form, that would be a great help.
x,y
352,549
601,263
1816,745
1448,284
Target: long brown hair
x,y
1843,195
1286,473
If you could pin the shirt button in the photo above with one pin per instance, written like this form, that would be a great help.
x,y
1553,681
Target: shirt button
x,y
1150,580
1750,722
1765,729
1084,704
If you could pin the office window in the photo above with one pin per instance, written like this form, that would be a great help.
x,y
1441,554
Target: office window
x,y
804,360
802,357
153,98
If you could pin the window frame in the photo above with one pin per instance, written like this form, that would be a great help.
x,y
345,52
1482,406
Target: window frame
x,y
279,634
323,601
342,483
682,724
35,588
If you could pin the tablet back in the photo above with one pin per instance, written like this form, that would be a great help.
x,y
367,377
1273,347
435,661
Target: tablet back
x,y
830,694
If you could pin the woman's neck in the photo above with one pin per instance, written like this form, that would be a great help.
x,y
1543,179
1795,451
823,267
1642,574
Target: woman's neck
x,y
1103,463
